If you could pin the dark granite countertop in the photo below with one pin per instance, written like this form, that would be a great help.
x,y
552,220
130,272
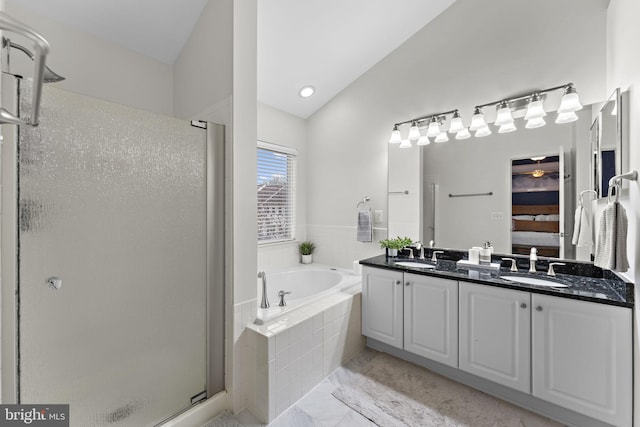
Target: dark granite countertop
x,y
586,282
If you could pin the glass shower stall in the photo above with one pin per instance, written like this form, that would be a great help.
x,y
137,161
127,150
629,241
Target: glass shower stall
x,y
112,259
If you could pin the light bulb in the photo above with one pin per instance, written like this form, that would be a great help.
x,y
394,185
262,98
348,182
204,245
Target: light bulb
x,y
506,128
477,121
535,123
456,123
414,131
405,143
484,131
433,129
566,117
423,140
395,136
463,134
535,110
570,101
442,137
504,114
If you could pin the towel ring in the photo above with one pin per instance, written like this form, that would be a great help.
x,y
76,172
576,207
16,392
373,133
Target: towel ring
x,y
363,202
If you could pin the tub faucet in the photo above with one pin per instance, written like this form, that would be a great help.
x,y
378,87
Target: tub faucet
x,y
281,294
265,301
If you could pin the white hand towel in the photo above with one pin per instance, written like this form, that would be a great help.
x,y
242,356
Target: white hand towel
x,y
365,226
611,244
582,228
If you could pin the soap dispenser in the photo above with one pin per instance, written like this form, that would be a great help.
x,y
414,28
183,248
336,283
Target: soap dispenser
x,y
485,253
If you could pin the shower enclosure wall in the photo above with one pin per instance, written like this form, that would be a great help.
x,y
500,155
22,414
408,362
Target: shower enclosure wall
x,y
112,260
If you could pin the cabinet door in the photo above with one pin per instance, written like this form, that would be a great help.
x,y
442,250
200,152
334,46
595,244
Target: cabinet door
x,y
431,318
582,357
382,305
495,334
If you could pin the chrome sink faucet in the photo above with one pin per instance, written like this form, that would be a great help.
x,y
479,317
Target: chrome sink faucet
x,y
533,257
514,265
434,257
551,264
265,301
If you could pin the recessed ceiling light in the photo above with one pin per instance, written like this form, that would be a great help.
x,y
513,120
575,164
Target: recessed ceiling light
x,y
306,91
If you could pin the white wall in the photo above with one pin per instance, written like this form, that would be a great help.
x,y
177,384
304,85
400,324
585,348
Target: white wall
x,y
101,69
491,55
281,128
203,71
623,70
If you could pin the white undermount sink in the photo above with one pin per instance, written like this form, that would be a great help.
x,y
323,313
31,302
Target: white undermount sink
x,y
414,264
534,281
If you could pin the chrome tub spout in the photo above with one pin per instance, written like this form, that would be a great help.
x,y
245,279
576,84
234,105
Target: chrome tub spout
x,y
265,301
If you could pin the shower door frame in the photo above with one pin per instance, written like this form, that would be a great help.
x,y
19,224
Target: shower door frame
x,y
9,252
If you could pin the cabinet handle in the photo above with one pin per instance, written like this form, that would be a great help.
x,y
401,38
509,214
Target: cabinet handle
x,y
523,305
407,283
398,282
538,308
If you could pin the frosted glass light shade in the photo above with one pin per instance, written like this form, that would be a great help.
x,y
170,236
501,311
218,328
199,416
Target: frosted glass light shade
x,y
463,134
414,132
566,117
506,128
395,136
477,121
535,123
442,137
570,101
423,140
405,143
504,115
535,110
456,123
483,131
434,129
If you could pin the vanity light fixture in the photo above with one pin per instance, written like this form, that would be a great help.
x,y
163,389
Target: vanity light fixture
x,y
434,128
483,131
456,123
414,131
423,140
535,110
569,104
507,127
463,134
405,143
570,101
395,135
504,116
566,117
442,137
477,121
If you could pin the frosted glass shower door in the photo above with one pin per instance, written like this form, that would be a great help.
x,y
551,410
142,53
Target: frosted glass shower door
x,y
112,202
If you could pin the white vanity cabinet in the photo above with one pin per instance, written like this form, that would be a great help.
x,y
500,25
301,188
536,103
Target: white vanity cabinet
x,y
582,357
382,301
495,328
412,312
431,318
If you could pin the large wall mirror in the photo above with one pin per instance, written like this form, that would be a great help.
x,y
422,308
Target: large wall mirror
x,y
466,186
606,143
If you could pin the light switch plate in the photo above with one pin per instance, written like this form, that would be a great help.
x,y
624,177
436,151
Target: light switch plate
x,y
378,216
496,216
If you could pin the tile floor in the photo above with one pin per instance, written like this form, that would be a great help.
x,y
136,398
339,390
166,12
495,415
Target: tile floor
x,y
318,408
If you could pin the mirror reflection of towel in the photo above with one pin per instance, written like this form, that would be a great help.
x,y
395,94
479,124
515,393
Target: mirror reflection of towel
x,y
611,244
365,226
582,228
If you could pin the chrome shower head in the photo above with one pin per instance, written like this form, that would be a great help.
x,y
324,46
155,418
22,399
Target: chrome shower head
x,y
49,75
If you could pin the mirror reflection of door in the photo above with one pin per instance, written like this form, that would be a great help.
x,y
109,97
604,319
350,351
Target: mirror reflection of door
x,y
537,205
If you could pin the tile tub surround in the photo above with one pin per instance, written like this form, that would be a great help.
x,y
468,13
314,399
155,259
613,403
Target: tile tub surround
x,y
295,352
588,283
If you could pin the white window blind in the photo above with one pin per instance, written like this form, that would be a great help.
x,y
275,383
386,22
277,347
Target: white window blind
x,y
276,193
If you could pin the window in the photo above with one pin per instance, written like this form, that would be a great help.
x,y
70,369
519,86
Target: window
x,y
276,193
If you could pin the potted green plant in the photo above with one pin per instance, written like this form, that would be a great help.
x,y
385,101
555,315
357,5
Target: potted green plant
x,y
394,245
306,251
